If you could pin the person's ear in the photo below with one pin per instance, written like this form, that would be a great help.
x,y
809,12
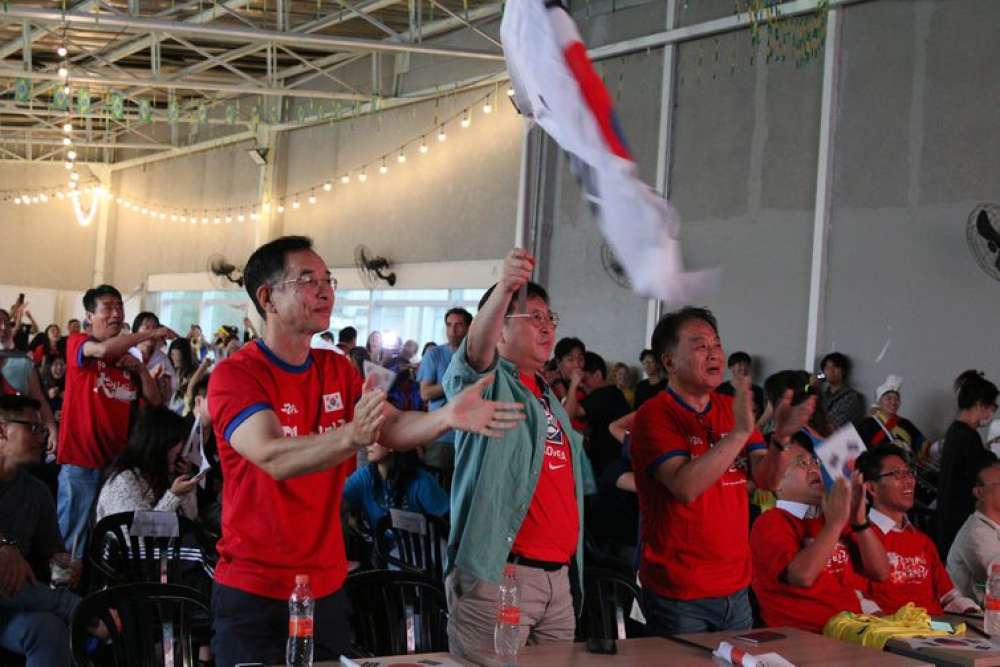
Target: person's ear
x,y
263,295
667,361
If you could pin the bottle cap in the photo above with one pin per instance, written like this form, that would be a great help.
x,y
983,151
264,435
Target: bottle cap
x,y
509,570
301,579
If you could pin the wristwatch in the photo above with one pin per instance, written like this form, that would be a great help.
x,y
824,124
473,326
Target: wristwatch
x,y
782,446
858,527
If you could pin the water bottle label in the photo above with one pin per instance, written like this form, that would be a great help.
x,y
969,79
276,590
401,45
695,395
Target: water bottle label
x,y
992,604
300,626
510,615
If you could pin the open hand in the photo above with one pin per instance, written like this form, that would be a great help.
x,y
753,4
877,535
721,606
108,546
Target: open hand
x,y
183,485
837,503
743,419
790,419
469,411
369,415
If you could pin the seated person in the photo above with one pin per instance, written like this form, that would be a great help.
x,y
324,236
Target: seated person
x,y
802,571
148,473
884,423
916,573
394,480
978,541
34,619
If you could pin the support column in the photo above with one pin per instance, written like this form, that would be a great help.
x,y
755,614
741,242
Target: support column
x,y
104,213
270,223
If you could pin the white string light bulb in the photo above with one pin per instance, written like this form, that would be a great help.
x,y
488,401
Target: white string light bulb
x,y
229,219
217,220
423,145
295,203
241,217
510,91
312,198
363,176
17,200
63,72
281,208
345,179
67,127
61,51
65,90
68,165
43,197
441,134
466,119
384,169
487,106
327,186
401,159
67,141
71,155
204,219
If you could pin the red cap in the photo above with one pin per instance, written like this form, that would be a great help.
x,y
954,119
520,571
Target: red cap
x,y
301,579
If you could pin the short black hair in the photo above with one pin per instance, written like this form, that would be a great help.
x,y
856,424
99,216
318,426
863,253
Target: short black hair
x,y
986,465
778,383
965,375
267,263
466,315
870,462
347,335
566,346
91,296
533,288
976,390
594,362
11,405
142,317
646,353
667,332
71,320
839,360
739,358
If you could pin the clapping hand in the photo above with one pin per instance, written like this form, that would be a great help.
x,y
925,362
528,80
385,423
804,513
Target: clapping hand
x,y
743,419
469,411
790,419
369,415
837,504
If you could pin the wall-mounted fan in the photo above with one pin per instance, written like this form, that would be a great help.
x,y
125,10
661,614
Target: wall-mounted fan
x,y
223,272
613,267
373,268
983,234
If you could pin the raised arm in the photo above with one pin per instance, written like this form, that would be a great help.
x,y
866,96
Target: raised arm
x,y
484,333
147,383
809,563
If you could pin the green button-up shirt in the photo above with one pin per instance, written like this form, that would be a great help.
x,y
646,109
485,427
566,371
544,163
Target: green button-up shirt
x,y
495,478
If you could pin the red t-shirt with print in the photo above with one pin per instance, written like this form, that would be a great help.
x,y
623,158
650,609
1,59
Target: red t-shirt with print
x,y
698,549
97,404
916,573
777,537
273,530
551,528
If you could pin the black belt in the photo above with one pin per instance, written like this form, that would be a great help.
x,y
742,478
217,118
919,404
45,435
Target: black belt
x,y
546,565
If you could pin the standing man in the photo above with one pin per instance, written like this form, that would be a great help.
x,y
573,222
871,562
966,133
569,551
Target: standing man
x,y
441,454
741,366
518,500
690,451
347,339
843,404
102,382
289,421
655,380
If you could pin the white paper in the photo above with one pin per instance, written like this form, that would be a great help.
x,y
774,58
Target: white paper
x,y
154,524
409,521
838,452
735,656
384,378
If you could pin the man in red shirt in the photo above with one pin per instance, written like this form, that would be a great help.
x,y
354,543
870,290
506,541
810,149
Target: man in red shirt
x,y
690,451
802,572
102,383
915,572
289,421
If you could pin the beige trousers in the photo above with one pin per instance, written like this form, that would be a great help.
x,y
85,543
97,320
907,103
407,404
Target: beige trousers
x,y
546,609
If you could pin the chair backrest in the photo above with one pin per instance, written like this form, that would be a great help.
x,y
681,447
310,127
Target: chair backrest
x,y
608,599
397,612
412,541
116,556
148,625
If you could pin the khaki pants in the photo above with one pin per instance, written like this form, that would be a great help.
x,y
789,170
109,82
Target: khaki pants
x,y
546,609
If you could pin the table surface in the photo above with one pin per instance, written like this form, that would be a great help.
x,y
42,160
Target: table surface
x,y
950,656
806,648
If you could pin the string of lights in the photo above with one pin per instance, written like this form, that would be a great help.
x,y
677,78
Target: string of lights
x,y
438,134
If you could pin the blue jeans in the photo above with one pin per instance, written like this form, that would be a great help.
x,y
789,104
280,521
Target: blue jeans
x,y
666,616
78,489
35,624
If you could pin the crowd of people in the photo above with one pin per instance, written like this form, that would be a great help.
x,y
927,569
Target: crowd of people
x,y
707,488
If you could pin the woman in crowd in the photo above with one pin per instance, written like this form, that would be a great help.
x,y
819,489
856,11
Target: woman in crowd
x,y
625,381
374,347
184,369
885,425
199,348
656,378
46,344
54,383
18,376
147,474
394,480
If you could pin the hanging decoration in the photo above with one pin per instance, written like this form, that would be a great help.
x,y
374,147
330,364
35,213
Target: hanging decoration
x,y
22,90
800,37
83,101
60,100
117,106
145,111
85,218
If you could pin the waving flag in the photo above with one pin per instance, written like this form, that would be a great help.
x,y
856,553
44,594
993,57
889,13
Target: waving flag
x,y
555,84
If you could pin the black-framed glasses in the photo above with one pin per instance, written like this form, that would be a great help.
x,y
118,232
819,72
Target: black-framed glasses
x,y
900,474
36,428
312,282
538,318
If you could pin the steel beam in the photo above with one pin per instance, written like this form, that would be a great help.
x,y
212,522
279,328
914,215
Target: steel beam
x,y
236,35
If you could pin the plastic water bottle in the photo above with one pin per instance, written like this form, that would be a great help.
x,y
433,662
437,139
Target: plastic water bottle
x,y
991,601
506,634
299,650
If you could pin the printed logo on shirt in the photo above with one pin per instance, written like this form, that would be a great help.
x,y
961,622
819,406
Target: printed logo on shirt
x,y
290,431
112,388
556,446
332,402
290,409
907,569
840,559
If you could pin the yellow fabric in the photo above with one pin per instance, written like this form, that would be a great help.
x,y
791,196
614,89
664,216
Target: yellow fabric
x,y
875,631
763,499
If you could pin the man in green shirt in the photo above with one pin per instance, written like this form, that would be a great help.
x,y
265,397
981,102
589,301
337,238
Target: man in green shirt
x,y
517,496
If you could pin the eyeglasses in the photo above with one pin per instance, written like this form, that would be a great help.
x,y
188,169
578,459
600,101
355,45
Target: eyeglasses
x,y
36,428
312,282
900,474
538,318
806,462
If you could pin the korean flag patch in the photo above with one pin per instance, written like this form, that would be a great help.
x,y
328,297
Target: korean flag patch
x,y
332,402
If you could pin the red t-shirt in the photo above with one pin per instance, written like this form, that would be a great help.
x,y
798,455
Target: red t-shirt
x,y
698,549
96,407
777,537
551,528
273,530
916,573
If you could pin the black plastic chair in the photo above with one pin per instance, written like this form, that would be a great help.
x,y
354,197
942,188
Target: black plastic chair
x,y
114,556
397,612
413,550
150,625
608,596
